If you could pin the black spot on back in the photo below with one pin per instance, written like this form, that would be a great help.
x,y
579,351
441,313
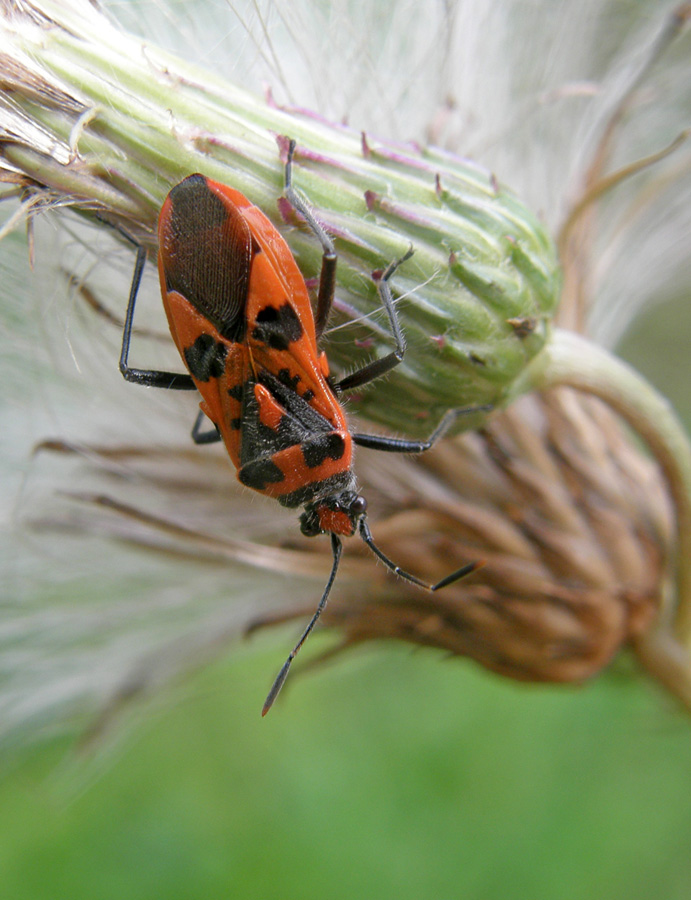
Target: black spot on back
x,y
290,381
277,326
206,358
260,473
323,447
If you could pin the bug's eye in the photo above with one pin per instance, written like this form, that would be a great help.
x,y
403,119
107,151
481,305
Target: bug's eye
x,y
359,505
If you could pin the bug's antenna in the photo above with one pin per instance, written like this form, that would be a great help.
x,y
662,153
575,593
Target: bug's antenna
x,y
366,536
336,548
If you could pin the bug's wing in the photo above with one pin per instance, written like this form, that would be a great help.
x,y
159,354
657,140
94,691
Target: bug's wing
x,y
205,254
281,338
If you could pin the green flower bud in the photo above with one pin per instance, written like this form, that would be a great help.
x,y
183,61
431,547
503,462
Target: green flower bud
x,y
475,299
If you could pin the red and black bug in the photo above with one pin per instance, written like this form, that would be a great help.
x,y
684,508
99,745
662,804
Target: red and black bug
x,y
240,315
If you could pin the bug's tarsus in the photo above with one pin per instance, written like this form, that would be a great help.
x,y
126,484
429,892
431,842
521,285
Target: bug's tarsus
x,y
327,276
392,266
378,367
210,436
121,230
336,548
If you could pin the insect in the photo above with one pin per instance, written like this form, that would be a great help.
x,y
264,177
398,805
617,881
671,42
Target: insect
x,y
240,315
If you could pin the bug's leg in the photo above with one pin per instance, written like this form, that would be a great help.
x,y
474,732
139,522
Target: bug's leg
x,y
147,377
378,367
204,437
336,548
401,445
327,276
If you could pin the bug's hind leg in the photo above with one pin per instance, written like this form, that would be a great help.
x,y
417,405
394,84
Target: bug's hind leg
x,y
148,377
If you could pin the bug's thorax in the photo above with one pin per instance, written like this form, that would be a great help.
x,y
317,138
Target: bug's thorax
x,y
335,514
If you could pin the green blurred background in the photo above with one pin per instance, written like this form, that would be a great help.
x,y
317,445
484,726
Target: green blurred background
x,y
388,773
395,774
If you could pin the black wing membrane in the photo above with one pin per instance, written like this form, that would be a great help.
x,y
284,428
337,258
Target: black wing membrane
x,y
208,255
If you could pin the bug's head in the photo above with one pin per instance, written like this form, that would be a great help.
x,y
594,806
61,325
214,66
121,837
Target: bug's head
x,y
338,514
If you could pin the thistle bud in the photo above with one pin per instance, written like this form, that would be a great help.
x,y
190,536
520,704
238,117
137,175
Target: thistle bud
x,y
475,299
